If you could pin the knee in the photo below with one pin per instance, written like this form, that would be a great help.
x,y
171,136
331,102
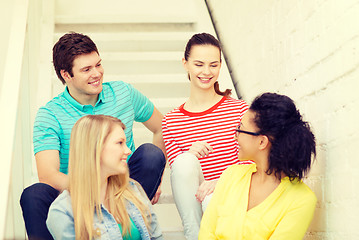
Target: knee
x,y
35,194
30,193
152,156
185,165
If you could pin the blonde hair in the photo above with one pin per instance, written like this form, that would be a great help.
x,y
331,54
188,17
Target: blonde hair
x,y
87,139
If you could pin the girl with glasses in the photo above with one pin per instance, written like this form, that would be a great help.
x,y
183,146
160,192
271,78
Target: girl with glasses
x,y
198,135
265,200
101,201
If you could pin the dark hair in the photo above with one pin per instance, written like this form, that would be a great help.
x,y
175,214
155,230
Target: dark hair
x,y
293,142
205,39
67,48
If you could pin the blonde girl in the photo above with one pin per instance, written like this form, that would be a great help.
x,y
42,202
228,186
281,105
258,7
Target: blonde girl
x,y
101,200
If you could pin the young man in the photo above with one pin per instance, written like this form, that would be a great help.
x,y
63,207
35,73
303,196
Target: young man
x,y
78,65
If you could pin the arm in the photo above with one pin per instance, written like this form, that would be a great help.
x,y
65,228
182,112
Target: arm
x,y
48,164
296,221
60,222
46,140
203,149
155,126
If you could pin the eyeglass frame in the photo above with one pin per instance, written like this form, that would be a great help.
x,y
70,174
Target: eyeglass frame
x,y
246,132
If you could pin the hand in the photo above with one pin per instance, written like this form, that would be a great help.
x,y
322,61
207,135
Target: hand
x,y
206,188
157,196
200,149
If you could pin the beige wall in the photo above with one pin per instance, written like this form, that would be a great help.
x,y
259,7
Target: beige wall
x,y
6,10
308,50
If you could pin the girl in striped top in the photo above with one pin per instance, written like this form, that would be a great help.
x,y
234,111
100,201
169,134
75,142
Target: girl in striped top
x,y
199,134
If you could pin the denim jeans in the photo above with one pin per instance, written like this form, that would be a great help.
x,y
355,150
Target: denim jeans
x,y
146,166
186,177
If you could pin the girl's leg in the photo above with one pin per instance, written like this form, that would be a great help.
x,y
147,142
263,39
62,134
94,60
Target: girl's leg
x,y
186,176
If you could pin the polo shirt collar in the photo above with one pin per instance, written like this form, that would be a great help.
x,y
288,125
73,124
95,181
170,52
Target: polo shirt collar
x,y
72,101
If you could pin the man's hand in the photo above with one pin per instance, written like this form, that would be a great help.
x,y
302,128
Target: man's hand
x,y
157,196
206,188
200,149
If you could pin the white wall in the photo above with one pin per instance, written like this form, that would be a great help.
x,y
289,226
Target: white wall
x,y
308,50
6,10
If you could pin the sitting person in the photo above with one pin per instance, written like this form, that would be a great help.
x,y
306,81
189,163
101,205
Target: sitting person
x,y
101,201
265,200
198,135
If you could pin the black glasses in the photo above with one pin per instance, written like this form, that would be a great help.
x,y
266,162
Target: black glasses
x,y
246,132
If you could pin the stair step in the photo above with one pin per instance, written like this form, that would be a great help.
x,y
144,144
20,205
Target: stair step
x,y
173,235
142,63
142,56
164,90
168,102
134,36
169,218
154,85
138,41
124,27
145,78
152,17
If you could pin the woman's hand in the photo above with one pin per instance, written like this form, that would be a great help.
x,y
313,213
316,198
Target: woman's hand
x,y
200,149
206,188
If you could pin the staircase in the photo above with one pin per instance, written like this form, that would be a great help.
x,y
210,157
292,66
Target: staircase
x,y
141,42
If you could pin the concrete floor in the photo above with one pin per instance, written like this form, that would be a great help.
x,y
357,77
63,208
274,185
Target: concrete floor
x,y
173,236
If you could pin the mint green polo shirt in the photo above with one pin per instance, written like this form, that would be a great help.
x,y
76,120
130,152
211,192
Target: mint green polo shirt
x,y
54,121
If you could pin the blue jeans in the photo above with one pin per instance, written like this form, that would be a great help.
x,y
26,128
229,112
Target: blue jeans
x,y
146,166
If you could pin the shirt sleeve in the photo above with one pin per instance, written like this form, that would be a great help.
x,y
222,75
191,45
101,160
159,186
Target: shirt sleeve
x,y
60,223
143,107
172,148
209,220
46,133
296,221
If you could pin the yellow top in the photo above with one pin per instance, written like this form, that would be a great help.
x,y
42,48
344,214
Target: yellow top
x,y
285,214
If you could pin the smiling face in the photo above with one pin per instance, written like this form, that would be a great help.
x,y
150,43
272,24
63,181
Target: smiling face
x,y
86,83
203,66
114,153
249,145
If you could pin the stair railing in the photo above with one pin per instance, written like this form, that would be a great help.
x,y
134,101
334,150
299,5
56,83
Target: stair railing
x,y
9,108
25,46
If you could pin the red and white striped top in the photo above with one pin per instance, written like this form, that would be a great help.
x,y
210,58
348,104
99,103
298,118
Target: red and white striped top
x,y
216,126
